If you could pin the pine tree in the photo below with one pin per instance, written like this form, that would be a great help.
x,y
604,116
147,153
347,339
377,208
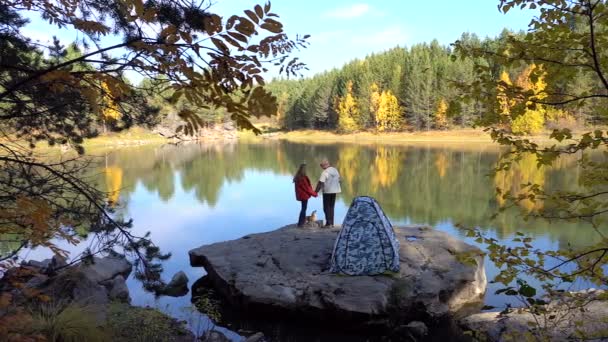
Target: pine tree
x,y
321,106
419,88
282,105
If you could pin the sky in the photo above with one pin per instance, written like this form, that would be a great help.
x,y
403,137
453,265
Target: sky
x,y
344,30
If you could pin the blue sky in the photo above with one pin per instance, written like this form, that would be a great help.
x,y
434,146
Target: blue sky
x,y
343,30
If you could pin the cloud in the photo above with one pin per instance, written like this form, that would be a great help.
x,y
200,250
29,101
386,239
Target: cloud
x,y
386,38
328,37
350,12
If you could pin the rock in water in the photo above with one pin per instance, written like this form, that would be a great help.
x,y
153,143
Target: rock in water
x,y
178,286
286,271
257,337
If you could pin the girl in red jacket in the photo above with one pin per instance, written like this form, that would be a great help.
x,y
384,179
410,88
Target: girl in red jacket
x,y
303,191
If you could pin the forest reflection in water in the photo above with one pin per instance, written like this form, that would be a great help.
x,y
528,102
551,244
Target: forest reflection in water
x,y
422,184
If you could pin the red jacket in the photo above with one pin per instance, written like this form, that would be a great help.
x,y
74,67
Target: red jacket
x,y
303,189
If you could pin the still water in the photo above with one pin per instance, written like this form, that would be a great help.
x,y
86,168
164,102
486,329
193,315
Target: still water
x,y
191,195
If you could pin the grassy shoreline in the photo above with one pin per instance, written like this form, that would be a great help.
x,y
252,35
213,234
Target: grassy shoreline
x,y
469,136
458,137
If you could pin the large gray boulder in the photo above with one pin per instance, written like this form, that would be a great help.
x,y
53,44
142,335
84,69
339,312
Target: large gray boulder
x,y
103,269
287,269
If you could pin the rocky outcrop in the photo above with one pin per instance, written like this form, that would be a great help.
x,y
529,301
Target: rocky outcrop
x,y
101,270
94,282
98,288
576,316
47,265
286,271
168,128
118,290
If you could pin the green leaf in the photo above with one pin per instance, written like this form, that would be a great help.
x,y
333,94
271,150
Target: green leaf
x,y
527,291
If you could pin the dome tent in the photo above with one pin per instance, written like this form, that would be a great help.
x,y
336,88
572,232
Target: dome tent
x,y
366,244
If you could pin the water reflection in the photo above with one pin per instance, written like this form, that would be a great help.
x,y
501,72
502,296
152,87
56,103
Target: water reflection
x,y
424,184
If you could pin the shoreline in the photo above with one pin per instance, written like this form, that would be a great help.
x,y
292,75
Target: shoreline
x,y
457,137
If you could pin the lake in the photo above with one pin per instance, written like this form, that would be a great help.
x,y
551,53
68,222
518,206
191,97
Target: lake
x,y
196,194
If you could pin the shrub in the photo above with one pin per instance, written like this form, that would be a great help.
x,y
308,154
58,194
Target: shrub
x,y
66,323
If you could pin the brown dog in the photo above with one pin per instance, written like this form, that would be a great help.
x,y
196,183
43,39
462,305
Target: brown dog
x,y
312,218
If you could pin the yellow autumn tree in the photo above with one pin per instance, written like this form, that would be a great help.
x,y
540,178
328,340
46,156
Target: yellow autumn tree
x,y
109,108
388,115
348,110
441,117
531,80
505,102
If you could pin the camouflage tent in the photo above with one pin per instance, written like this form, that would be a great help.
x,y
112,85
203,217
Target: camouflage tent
x,y
366,245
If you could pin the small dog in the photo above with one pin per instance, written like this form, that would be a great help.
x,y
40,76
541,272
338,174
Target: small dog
x,y
312,218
